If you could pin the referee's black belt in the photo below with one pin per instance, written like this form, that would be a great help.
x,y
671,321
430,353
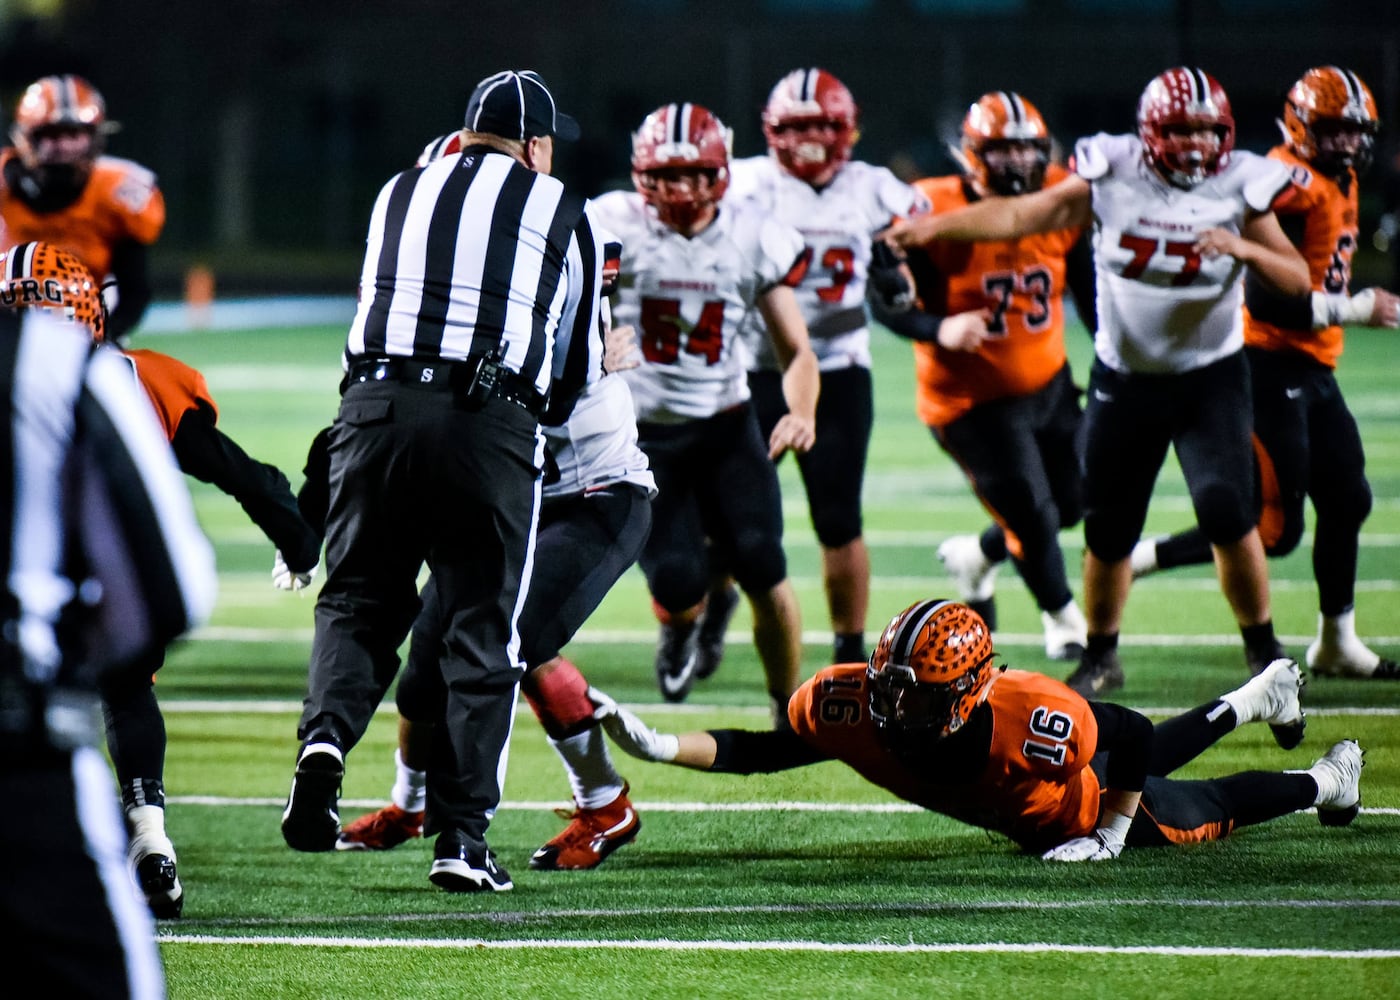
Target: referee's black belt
x,y
474,379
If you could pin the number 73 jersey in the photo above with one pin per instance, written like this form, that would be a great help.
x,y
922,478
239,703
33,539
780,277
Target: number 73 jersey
x,y
688,299
1034,783
1162,306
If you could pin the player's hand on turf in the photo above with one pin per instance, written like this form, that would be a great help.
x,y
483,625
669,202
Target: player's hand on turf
x,y
791,433
1098,846
629,732
284,578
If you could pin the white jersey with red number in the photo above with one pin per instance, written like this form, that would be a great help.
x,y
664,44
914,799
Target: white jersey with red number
x,y
597,445
837,223
1162,306
689,298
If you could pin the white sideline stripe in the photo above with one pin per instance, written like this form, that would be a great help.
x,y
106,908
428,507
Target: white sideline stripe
x,y
659,807
647,637
853,947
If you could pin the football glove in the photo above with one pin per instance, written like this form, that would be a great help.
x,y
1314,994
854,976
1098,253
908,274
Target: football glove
x,y
887,279
284,579
630,733
1104,844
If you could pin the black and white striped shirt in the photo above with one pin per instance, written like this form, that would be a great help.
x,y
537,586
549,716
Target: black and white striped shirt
x,y
476,253
91,503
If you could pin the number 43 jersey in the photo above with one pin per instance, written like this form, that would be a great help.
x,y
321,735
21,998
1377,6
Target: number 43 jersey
x,y
1032,782
689,297
1162,306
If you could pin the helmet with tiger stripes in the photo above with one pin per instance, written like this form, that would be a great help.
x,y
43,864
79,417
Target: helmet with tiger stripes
x,y
44,276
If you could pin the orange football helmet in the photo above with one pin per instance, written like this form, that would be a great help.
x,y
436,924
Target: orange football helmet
x,y
807,97
681,137
59,102
929,670
1173,112
1330,120
1005,144
41,275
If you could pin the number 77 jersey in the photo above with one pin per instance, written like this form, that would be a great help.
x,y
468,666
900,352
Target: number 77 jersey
x,y
689,297
1162,306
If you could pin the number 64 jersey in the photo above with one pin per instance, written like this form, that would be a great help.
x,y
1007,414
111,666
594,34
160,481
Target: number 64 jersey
x,y
688,298
1162,306
1031,781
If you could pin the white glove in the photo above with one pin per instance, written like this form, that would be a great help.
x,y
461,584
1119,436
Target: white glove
x,y
284,579
630,733
1104,844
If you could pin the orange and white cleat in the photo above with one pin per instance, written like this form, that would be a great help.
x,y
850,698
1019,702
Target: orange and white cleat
x,y
592,835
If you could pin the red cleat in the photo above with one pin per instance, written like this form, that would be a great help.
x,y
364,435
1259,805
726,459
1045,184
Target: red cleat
x,y
381,830
592,835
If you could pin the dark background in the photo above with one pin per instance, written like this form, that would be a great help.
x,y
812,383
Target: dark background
x,y
272,125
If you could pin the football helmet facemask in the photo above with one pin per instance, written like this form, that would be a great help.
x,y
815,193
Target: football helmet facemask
x,y
672,143
810,124
1186,126
60,128
930,669
1329,120
1005,144
43,276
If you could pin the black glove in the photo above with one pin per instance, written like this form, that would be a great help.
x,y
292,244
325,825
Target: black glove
x,y
887,280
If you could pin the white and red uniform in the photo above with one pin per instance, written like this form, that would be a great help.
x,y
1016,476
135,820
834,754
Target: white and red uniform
x,y
1163,307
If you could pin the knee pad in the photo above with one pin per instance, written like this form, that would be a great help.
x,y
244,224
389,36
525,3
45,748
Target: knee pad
x,y
677,583
421,695
1348,506
759,563
1223,513
1109,538
559,698
835,524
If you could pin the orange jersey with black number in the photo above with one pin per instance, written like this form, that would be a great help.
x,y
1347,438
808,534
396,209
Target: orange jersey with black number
x,y
173,387
120,202
1330,234
1021,283
1036,786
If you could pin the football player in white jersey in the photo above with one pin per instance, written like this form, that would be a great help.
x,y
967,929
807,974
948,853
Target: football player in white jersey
x,y
808,180
1179,215
692,274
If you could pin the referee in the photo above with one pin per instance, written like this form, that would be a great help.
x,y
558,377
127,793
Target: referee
x,y
91,503
478,317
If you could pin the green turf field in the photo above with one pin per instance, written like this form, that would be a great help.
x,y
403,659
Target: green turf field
x,y
808,884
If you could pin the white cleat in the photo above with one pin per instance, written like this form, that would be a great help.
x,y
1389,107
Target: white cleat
x,y
1338,777
1272,696
974,574
1144,558
1066,633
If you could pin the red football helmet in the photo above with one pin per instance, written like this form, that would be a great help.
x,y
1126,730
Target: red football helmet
x,y
929,670
1330,120
1174,112
800,100
1005,144
681,137
41,275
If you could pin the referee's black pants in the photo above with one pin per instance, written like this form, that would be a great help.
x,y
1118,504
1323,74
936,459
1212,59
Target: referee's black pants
x,y
415,477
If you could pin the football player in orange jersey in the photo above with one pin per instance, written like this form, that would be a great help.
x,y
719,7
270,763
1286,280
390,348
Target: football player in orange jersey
x,y
934,720
56,186
993,381
1306,440
44,276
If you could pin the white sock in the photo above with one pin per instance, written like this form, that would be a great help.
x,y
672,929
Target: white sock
x,y
410,791
1336,636
594,780
147,825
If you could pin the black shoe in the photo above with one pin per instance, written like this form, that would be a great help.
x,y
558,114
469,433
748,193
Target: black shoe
x,y
714,623
676,653
311,821
1096,676
159,882
462,865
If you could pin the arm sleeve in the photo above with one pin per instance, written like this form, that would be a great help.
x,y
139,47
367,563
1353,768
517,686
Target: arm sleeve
x,y
263,492
916,323
1079,276
138,531
130,272
1126,736
743,751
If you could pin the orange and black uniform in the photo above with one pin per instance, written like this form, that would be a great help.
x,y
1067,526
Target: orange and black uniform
x,y
107,225
1009,412
1031,762
1306,441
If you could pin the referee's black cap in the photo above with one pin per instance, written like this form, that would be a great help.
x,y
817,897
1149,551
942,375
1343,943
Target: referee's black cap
x,y
516,104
